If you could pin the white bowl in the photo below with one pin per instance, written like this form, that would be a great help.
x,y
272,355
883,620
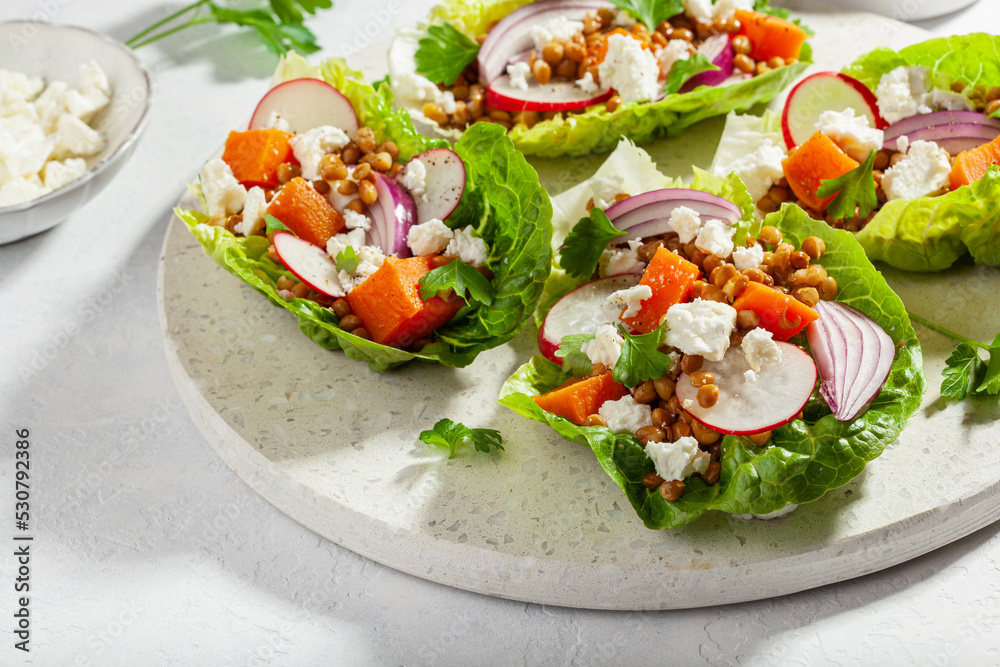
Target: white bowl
x,y
55,53
905,10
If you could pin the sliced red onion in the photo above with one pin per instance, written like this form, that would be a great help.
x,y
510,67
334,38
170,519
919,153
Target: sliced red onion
x,y
648,214
719,51
854,356
392,216
512,35
953,138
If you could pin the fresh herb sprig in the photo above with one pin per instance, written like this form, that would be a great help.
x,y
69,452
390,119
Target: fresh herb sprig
x,y
574,358
444,53
461,278
684,70
641,358
855,191
965,372
583,246
279,25
347,260
452,435
651,12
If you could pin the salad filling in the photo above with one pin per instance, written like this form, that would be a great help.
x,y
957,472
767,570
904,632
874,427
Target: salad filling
x,y
383,243
691,376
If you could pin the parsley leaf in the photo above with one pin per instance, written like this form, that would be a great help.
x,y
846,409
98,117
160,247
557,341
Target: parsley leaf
x,y
444,53
347,259
855,191
641,358
963,371
274,225
452,435
991,381
651,12
683,70
573,357
460,277
583,246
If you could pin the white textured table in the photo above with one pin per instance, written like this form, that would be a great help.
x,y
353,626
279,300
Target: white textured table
x,y
149,550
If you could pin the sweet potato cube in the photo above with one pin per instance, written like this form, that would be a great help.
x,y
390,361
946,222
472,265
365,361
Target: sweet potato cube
x,y
771,36
254,156
671,278
579,400
390,306
306,212
775,308
971,165
816,160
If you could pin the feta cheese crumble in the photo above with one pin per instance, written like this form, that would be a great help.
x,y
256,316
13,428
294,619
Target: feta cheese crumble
x,y
726,9
631,70
415,178
678,460
224,196
429,238
355,220
716,238
630,299
615,261
253,212
626,415
853,133
518,73
760,349
470,249
605,188
759,169
310,147
586,84
606,346
559,29
370,259
903,92
276,122
748,258
925,169
949,101
686,222
700,327
699,10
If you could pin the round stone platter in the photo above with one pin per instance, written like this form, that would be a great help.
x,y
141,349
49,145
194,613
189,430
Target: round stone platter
x,y
334,445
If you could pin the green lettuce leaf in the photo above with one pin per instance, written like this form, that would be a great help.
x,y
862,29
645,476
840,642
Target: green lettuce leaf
x,y
931,233
507,207
596,130
805,458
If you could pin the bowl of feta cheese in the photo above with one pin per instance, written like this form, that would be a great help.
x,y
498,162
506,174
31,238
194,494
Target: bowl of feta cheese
x,y
73,104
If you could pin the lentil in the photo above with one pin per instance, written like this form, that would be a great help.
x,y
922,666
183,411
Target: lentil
x,y
672,490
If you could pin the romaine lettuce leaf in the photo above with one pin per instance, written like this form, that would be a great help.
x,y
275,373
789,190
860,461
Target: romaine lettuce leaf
x,y
503,201
805,458
595,130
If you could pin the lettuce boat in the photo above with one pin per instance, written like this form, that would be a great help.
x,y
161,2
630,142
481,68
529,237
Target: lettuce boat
x,y
806,457
502,203
702,84
935,131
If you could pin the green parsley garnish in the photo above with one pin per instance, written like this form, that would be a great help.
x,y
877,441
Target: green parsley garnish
x,y
274,225
582,248
452,435
444,53
964,371
855,191
466,282
641,358
651,12
347,259
573,357
683,70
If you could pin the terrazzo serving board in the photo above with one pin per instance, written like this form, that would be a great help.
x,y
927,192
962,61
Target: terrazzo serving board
x,y
335,446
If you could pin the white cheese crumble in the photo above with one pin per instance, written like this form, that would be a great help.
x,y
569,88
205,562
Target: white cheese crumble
x,y
903,144
925,169
903,92
851,132
586,84
949,101
429,238
606,346
631,299
760,169
604,189
716,238
415,178
760,349
355,220
631,70
748,258
56,174
699,10
676,49
276,122
559,29
700,327
310,147
370,259
518,73
686,222
615,261
626,415
224,196
470,249
253,212
678,460
726,9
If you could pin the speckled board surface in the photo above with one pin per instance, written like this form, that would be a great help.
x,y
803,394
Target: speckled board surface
x,y
334,445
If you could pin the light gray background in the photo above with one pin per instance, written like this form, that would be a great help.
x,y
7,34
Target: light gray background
x,y
148,550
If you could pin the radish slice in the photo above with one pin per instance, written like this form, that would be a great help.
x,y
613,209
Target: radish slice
x,y
780,392
309,263
444,184
512,35
859,360
648,214
392,216
954,131
582,311
305,104
825,91
552,96
719,51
